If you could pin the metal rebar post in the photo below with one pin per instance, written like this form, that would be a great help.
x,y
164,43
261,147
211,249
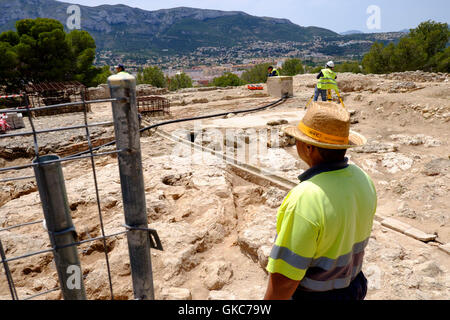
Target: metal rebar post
x,y
126,125
8,274
94,173
52,191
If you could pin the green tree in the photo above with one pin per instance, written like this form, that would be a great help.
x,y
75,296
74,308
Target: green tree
x,y
44,52
378,58
9,60
153,76
179,81
82,47
424,48
10,37
228,79
441,61
348,66
292,67
408,55
387,58
102,77
432,36
257,74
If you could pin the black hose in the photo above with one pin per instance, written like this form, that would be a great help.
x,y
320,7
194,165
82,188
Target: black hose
x,y
184,120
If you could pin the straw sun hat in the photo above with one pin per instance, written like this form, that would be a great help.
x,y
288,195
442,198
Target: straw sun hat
x,y
326,125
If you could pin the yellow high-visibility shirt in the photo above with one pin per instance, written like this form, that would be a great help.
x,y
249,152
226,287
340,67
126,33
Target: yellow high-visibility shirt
x,y
323,227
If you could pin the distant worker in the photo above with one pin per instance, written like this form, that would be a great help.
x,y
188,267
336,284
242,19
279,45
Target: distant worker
x,y
120,68
272,72
324,223
327,80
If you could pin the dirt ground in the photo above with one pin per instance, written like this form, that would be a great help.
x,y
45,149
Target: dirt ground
x,y
217,228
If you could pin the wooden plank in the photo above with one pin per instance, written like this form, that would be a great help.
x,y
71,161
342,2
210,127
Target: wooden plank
x,y
406,229
420,235
395,225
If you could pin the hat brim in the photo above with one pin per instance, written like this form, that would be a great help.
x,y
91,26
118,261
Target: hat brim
x,y
355,139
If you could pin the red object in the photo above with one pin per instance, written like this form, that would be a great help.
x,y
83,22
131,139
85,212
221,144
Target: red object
x,y
4,126
11,96
255,87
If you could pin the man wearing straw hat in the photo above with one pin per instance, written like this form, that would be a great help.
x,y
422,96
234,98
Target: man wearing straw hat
x,y
324,223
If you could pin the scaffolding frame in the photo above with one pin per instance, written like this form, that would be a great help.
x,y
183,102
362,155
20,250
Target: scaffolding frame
x,y
153,105
56,93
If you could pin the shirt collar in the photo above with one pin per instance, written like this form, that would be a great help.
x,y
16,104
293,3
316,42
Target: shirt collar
x,y
324,167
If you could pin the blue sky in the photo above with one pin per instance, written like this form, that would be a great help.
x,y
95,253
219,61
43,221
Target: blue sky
x,y
336,15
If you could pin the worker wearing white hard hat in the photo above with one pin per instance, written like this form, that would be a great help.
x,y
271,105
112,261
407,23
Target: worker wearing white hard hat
x,y
327,80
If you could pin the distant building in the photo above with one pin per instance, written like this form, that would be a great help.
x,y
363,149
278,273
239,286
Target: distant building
x,y
203,82
195,74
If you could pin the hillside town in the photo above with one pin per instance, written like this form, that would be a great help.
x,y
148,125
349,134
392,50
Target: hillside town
x,y
206,63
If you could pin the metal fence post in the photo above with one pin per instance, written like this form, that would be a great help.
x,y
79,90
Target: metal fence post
x,y
126,125
52,191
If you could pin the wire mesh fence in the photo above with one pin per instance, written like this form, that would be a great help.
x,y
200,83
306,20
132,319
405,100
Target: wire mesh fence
x,y
64,242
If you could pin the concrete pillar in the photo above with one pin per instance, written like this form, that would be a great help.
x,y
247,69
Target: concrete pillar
x,y
126,126
280,86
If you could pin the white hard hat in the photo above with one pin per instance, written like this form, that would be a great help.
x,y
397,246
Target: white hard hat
x,y
330,64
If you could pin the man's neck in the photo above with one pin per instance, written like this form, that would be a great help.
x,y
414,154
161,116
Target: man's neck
x,y
318,162
323,167
313,163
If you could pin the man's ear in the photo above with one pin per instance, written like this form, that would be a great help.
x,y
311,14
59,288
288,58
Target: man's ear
x,y
309,149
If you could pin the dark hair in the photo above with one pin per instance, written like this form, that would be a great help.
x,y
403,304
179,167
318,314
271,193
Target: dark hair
x,y
270,67
332,155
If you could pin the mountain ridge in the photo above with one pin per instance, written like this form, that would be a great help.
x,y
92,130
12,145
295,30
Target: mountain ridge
x,y
115,21
123,29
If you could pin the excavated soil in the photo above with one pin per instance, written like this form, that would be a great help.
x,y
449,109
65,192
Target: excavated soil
x,y
217,228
